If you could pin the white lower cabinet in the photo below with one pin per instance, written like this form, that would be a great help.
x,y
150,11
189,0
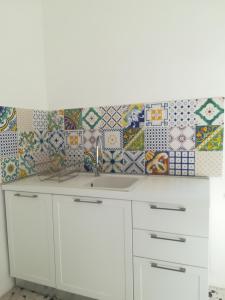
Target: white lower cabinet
x,y
30,237
93,247
158,280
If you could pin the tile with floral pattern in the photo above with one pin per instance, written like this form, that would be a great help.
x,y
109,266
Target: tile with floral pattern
x,y
27,141
8,143
91,118
182,139
112,116
73,119
56,120
8,121
133,139
112,161
134,116
89,161
156,163
209,138
10,168
112,139
41,141
210,111
56,142
90,139
74,139
26,165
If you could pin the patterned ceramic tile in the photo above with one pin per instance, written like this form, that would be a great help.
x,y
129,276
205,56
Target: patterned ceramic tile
x,y
90,138
41,141
89,161
112,161
10,169
91,118
208,163
156,114
40,119
156,138
182,163
112,139
56,120
182,138
134,116
56,141
182,113
26,141
156,163
209,138
8,120
8,144
72,119
26,165
210,111
74,139
24,119
41,160
112,117
133,139
134,162
75,159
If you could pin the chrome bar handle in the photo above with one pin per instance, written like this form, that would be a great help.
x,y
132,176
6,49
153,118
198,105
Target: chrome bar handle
x,y
155,236
88,201
25,196
154,206
155,265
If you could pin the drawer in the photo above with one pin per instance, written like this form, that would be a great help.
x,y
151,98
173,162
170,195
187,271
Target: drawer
x,y
189,219
170,247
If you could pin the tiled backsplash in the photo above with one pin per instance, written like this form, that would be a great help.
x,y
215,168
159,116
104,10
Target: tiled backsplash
x,y
181,138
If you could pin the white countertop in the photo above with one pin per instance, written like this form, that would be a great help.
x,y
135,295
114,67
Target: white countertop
x,y
148,188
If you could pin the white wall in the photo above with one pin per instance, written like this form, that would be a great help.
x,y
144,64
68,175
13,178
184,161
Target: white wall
x,y
22,65
121,51
5,282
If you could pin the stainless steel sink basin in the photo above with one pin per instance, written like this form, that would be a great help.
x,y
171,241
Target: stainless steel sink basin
x,y
113,183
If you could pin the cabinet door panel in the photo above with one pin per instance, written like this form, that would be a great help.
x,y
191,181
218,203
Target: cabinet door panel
x,y
157,280
94,247
30,237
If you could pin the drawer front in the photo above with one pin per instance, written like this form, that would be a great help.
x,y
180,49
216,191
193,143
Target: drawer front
x,y
157,280
173,218
170,247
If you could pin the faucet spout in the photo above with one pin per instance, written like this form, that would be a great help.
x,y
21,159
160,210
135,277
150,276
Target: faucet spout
x,y
98,149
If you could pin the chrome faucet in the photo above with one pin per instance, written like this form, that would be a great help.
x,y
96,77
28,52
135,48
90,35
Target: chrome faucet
x,y
98,147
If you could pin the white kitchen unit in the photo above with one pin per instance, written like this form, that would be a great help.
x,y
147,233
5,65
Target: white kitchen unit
x,y
103,239
93,244
30,237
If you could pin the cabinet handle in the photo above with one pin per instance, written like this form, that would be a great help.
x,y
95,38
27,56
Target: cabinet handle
x,y
155,236
26,196
88,201
153,206
181,270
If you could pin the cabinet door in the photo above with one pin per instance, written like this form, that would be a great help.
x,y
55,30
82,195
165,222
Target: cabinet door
x,y
30,237
93,247
157,280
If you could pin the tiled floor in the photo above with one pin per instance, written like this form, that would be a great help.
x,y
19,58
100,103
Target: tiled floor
x,y
23,294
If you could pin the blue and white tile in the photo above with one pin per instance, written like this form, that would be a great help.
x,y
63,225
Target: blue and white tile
x,y
40,120
156,138
8,144
182,163
134,162
182,113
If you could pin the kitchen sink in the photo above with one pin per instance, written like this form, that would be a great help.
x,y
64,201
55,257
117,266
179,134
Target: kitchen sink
x,y
113,183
